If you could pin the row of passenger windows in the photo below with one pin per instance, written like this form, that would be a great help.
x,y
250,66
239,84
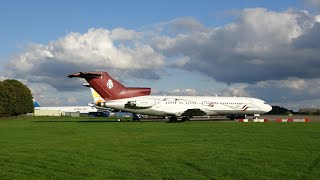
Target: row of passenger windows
x,y
209,103
206,103
231,103
171,102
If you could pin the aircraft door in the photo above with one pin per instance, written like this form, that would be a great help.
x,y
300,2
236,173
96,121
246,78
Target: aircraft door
x,y
158,103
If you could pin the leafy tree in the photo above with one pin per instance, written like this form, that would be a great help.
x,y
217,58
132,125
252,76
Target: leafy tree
x,y
280,110
4,100
15,98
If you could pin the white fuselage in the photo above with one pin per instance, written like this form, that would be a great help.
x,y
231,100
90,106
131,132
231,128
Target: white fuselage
x,y
81,109
179,105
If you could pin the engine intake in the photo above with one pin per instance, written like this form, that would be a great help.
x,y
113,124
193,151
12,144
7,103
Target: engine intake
x,y
140,104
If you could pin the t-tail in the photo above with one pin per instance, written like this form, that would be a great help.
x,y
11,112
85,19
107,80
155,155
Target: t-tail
x,y
109,88
35,103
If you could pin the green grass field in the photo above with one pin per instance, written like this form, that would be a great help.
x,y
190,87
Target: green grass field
x,y
90,148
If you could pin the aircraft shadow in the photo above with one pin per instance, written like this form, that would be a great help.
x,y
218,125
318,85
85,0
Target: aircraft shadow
x,y
89,121
76,121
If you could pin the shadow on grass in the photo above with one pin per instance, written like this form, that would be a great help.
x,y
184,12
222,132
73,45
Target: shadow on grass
x,y
201,120
175,121
80,121
89,121
142,121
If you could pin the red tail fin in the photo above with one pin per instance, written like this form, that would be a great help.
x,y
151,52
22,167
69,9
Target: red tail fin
x,y
108,88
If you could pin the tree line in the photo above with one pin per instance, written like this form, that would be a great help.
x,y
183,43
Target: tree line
x,y
280,111
15,98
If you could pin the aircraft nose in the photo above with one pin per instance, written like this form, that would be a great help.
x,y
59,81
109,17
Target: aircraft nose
x,y
268,108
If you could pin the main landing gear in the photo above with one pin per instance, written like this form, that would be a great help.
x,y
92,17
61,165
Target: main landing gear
x,y
234,116
175,119
255,116
185,118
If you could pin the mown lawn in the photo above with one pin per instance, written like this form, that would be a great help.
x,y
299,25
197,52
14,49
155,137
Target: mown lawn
x,y
89,148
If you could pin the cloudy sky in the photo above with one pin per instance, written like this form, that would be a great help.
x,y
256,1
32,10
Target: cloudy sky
x,y
264,49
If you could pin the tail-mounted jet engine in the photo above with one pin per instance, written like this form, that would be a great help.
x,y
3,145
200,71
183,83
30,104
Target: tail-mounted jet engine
x,y
140,104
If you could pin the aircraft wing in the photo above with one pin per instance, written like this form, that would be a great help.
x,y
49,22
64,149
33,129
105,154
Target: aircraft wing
x,y
194,112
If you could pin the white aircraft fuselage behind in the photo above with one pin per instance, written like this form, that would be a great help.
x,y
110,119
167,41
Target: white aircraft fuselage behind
x,y
80,109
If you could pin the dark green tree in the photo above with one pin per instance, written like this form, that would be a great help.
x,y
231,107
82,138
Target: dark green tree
x,y
15,98
280,110
4,100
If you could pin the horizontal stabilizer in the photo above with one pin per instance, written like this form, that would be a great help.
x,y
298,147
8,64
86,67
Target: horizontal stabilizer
x,y
85,75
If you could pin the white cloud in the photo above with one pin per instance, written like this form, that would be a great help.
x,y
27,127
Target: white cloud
x,y
239,91
187,24
97,49
291,89
124,34
3,78
261,27
180,92
313,3
45,95
180,61
294,83
259,45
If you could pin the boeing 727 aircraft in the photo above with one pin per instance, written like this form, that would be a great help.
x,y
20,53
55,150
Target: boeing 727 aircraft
x,y
139,100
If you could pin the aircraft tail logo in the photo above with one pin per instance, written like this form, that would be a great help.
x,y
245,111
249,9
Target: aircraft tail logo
x,y
110,84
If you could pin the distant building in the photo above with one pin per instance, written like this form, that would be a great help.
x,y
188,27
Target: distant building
x,y
51,112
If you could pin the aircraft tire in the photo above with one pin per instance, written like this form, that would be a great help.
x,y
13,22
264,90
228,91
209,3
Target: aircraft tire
x,y
185,118
173,118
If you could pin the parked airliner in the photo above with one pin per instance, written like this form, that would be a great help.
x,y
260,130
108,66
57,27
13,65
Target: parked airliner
x,y
138,100
80,109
